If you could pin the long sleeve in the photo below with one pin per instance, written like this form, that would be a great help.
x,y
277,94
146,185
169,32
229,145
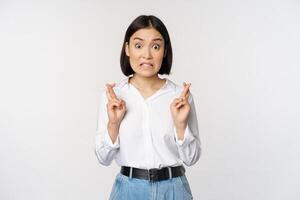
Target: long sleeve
x,y
105,149
189,148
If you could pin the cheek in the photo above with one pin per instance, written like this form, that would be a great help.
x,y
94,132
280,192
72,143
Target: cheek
x,y
134,55
159,57
134,61
160,54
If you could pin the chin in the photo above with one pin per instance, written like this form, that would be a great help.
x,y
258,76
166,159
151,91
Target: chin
x,y
147,74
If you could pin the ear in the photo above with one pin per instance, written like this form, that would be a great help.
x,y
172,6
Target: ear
x,y
127,49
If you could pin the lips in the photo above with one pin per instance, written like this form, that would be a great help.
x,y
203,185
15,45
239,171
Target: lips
x,y
145,64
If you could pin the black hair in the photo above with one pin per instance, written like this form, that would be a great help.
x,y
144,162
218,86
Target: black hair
x,y
147,21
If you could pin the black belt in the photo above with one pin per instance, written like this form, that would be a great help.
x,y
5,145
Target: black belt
x,y
153,174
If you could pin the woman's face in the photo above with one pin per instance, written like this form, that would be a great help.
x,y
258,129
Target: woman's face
x,y
145,51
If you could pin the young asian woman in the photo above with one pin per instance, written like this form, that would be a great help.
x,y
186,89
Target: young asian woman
x,y
146,123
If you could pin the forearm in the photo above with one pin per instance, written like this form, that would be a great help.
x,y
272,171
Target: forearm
x,y
180,129
113,131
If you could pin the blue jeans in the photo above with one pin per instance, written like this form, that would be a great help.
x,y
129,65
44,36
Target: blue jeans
x,y
126,188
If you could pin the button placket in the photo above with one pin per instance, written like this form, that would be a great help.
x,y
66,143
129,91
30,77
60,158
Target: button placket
x,y
147,133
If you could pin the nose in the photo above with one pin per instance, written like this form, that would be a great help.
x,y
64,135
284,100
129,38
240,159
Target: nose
x,y
147,53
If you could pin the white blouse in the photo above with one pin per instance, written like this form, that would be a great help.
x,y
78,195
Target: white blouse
x,y
147,135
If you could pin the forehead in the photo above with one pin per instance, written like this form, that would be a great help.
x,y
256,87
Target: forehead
x,y
147,34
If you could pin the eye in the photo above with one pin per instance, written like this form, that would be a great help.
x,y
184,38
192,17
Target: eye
x,y
156,46
138,45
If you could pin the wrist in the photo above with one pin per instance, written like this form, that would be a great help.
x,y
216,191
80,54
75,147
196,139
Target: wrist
x,y
113,124
180,132
181,126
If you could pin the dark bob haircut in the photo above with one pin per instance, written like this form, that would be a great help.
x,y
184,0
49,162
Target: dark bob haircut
x,y
147,21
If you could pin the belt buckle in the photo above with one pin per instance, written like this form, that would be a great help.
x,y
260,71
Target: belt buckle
x,y
153,174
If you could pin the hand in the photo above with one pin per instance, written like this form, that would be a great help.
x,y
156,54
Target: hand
x,y
116,108
180,109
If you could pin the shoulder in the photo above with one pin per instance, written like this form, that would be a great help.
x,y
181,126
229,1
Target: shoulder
x,y
119,85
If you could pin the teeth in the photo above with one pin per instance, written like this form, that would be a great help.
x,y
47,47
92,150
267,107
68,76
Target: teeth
x,y
146,65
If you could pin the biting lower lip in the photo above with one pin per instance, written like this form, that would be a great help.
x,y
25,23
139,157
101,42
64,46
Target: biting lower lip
x,y
146,65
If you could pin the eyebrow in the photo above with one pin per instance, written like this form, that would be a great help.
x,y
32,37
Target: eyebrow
x,y
155,39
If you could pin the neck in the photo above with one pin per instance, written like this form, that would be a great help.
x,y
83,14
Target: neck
x,y
145,82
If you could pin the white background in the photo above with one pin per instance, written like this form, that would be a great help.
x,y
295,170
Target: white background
x,y
242,58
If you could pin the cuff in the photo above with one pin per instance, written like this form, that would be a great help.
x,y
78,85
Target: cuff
x,y
109,142
187,139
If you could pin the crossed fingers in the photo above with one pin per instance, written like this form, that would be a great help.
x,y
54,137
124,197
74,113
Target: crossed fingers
x,y
110,92
183,98
114,101
186,91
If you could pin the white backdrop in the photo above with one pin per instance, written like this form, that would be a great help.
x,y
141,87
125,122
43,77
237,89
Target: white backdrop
x,y
242,58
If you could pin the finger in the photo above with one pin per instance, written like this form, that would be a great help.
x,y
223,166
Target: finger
x,y
180,100
112,105
115,100
108,95
185,89
111,91
187,95
180,104
123,102
119,102
175,101
110,84
183,101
